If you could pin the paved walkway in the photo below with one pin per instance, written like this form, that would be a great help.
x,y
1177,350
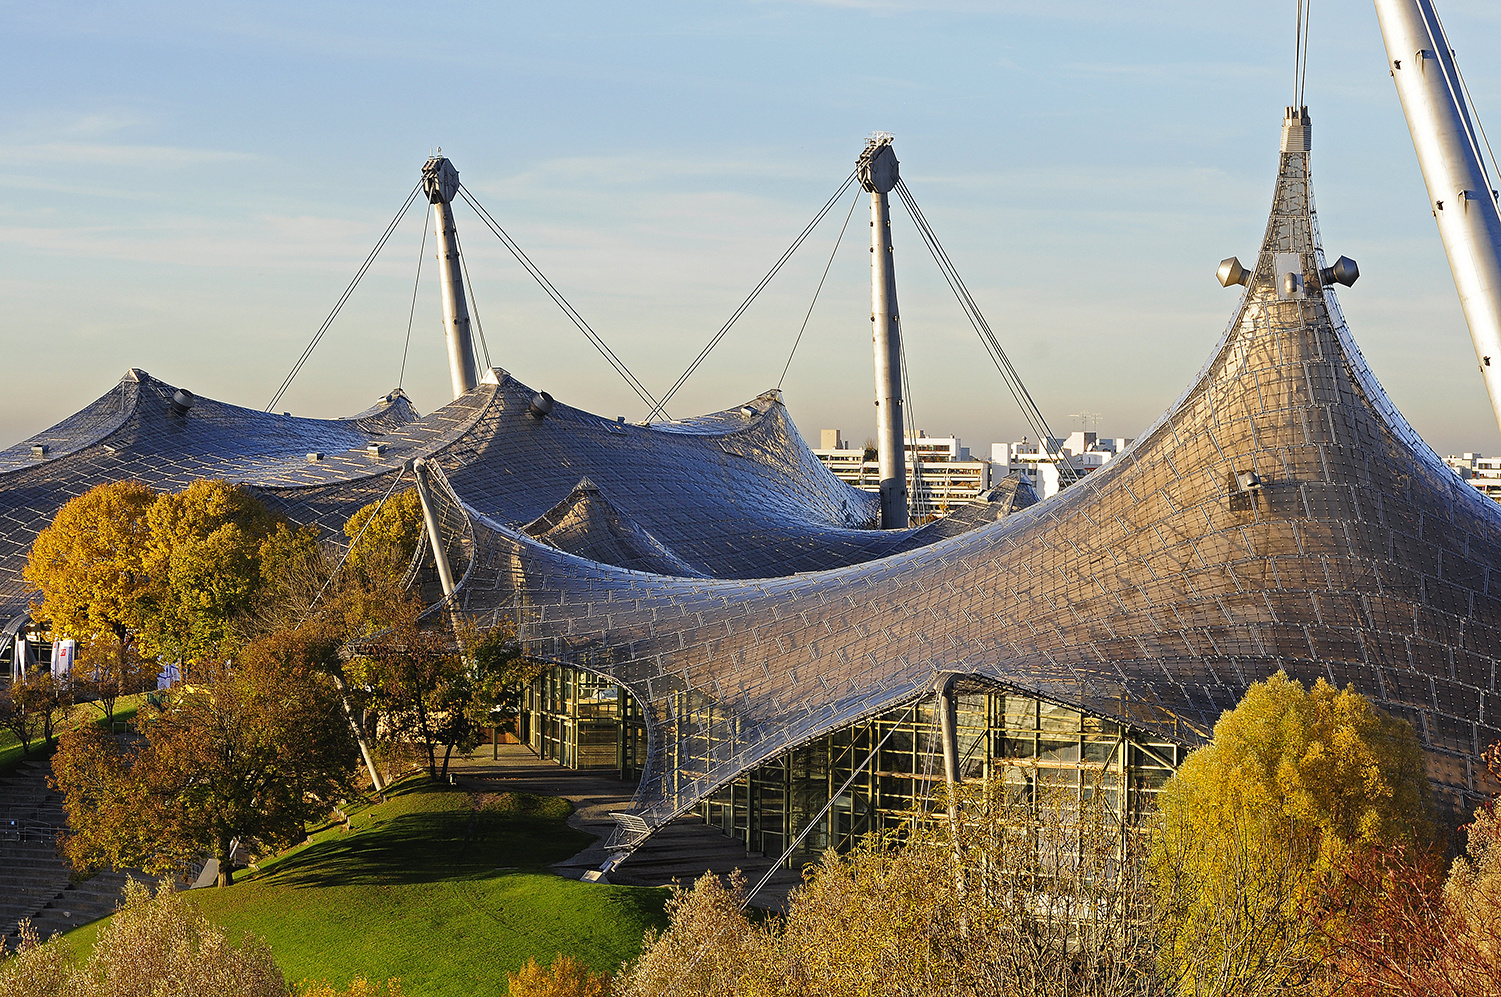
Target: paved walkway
x,y
678,853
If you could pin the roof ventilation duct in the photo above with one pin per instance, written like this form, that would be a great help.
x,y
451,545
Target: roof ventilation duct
x,y
541,406
182,400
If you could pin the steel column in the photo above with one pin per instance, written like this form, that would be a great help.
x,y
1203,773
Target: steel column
x,y
879,174
1459,192
434,532
440,181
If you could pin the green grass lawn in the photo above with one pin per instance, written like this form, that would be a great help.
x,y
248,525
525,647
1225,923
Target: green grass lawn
x,y
10,748
430,890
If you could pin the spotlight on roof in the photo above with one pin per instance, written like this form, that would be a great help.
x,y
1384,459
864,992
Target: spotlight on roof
x,y
1343,272
541,406
182,400
1231,272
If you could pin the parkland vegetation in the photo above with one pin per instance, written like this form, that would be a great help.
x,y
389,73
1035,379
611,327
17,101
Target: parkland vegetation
x,y
316,713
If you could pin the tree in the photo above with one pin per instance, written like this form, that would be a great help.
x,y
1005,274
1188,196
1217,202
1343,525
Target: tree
x,y
415,676
153,946
183,577
89,563
204,555
1409,930
36,706
566,977
1256,827
295,572
251,752
384,535
1023,896
17,717
109,668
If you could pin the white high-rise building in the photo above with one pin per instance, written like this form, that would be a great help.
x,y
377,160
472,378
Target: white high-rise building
x,y
940,471
1059,462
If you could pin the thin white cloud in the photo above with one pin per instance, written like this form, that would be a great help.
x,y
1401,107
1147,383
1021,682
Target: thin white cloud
x,y
160,157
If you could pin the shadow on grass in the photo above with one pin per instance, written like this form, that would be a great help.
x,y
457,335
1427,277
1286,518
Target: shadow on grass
x,y
427,833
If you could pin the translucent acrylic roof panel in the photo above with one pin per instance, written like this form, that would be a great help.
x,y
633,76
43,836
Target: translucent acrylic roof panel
x,y
1280,515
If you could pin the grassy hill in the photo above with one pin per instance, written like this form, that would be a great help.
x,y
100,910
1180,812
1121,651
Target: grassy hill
x,y
437,887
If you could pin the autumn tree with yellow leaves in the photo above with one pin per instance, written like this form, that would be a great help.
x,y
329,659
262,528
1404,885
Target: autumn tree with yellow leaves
x,y
181,577
1256,828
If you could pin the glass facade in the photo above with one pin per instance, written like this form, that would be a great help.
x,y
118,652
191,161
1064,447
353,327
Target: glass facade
x,y
582,721
1042,749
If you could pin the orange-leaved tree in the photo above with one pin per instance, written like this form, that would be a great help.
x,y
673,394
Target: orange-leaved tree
x,y
251,751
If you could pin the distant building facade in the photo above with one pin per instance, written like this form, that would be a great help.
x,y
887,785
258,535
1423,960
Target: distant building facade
x,y
1481,471
940,472
1060,462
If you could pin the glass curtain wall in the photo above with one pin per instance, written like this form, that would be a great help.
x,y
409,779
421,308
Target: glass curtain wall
x,y
1042,749
582,721
1039,748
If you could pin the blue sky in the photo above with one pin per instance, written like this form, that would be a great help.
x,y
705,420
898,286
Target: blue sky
x,y
187,188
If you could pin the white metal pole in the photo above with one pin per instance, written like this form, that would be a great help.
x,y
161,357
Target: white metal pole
x,y
1459,192
440,181
878,174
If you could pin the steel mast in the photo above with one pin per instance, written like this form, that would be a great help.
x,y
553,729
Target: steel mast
x,y
877,166
1459,192
440,182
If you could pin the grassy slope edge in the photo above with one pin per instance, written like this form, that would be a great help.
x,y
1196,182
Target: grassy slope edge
x,y
436,887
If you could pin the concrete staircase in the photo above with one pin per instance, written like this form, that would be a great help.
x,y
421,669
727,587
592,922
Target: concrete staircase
x,y
35,882
685,849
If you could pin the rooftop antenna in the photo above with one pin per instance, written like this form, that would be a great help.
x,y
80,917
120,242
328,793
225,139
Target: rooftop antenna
x,y
440,182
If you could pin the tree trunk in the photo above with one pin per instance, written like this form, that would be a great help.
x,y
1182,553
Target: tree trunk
x,y
223,852
447,753
427,738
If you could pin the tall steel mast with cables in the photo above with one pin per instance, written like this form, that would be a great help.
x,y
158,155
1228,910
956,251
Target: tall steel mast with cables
x,y
877,167
440,182
1448,143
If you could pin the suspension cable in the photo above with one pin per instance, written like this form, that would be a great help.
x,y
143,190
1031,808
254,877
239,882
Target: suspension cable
x,y
818,290
416,282
400,473
1030,411
479,326
810,825
537,275
917,506
364,267
755,292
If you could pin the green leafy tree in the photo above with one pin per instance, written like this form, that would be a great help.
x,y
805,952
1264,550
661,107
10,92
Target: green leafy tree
x,y
388,534
1254,830
249,752
89,564
204,554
